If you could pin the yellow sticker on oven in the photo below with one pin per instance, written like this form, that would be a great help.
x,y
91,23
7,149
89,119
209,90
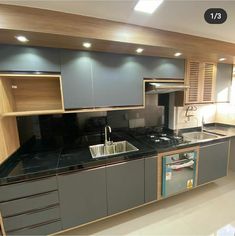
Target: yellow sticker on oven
x,y
190,183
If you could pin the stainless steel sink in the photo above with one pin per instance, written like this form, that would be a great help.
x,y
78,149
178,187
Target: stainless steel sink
x,y
115,148
199,136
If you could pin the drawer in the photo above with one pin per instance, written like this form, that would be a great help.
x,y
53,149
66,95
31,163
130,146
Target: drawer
x,y
43,229
24,189
33,218
31,203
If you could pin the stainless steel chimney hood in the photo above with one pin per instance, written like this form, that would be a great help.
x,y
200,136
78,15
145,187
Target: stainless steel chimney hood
x,y
153,86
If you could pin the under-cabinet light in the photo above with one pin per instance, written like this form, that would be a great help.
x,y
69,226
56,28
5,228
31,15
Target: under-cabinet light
x,y
222,59
139,50
22,38
86,45
177,54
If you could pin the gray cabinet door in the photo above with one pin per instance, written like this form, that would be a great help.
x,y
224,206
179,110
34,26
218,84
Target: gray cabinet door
x,y
150,179
19,58
117,79
82,197
223,82
76,71
213,162
155,67
125,185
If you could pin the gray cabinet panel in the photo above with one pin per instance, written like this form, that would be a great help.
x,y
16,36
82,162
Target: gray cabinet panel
x,y
23,205
150,179
26,220
154,67
19,58
125,185
13,191
117,79
76,70
45,229
82,197
232,155
213,161
223,82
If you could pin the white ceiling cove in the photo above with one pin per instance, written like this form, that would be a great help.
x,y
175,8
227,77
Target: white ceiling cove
x,y
173,15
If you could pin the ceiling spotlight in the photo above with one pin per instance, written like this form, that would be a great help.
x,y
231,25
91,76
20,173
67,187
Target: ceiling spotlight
x,y
22,39
139,50
177,54
147,6
222,59
86,45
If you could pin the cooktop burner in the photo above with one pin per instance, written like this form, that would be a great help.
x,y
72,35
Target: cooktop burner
x,y
159,137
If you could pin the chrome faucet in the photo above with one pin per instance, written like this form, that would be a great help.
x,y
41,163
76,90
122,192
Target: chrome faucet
x,y
203,123
106,141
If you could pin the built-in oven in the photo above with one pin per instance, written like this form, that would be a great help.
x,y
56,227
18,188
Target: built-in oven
x,y
178,171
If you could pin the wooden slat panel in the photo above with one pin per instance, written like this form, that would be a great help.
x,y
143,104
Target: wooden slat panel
x,y
193,80
208,82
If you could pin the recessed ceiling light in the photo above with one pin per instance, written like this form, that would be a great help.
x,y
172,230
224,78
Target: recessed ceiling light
x,y
139,50
147,6
222,59
177,54
22,39
86,45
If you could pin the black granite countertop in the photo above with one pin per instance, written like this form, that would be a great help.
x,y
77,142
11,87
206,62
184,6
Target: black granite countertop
x,y
39,159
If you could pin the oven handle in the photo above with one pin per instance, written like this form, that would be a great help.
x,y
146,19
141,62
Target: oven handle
x,y
179,166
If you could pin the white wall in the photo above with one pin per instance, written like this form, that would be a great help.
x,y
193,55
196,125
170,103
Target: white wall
x,y
180,121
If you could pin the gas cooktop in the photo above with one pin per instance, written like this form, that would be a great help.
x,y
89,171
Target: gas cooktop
x,y
158,137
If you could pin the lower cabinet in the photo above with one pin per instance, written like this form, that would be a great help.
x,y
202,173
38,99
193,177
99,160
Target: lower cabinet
x,y
125,185
150,179
213,162
31,207
82,197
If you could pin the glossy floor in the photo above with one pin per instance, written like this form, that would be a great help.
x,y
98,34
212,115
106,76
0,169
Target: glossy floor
x,y
208,210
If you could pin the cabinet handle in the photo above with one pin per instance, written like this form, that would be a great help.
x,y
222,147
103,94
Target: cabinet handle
x,y
214,144
77,171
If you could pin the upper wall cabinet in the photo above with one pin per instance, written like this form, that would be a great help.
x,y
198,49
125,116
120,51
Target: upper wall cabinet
x,y
76,71
223,82
111,80
18,58
201,78
117,80
154,67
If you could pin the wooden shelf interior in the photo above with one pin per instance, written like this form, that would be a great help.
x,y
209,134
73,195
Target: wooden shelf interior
x,y
30,93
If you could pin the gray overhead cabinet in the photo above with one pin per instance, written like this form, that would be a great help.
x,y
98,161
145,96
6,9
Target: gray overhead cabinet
x,y
125,185
76,71
213,162
117,80
223,82
82,196
29,59
164,68
111,80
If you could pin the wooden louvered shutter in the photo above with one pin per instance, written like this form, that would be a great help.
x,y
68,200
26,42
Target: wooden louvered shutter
x,y
193,80
208,82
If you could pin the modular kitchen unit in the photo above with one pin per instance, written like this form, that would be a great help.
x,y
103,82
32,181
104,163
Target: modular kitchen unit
x,y
89,133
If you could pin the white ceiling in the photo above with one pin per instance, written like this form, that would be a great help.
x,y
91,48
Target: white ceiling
x,y
174,15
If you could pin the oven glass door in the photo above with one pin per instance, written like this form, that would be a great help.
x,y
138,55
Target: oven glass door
x,y
179,172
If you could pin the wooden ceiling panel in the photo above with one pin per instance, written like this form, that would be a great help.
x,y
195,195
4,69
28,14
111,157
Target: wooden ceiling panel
x,y
56,29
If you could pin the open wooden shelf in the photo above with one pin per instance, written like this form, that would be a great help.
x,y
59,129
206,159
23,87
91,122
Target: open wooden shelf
x,y
30,95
